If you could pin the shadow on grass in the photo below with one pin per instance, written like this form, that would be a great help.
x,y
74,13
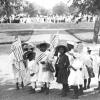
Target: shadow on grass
x,y
81,31
22,33
73,31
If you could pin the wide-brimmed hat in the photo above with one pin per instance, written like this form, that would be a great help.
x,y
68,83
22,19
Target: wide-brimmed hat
x,y
70,46
62,44
27,46
45,44
24,44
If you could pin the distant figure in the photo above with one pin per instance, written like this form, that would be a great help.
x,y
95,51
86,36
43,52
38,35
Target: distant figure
x,y
87,18
91,19
79,20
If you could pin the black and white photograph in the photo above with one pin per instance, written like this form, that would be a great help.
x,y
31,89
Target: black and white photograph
x,y
49,49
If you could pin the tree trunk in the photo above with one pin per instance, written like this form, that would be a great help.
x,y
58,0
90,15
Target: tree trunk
x,y
96,30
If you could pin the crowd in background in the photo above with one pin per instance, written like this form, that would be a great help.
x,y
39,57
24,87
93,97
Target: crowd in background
x,y
47,19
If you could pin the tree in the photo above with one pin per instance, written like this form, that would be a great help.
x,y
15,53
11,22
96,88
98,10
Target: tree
x,y
73,10
87,6
7,6
90,7
59,9
30,10
6,9
43,12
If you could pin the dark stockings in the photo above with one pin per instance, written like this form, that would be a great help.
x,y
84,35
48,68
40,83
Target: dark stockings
x,y
85,83
89,81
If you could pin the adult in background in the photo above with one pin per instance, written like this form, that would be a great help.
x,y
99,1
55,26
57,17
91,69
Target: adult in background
x,y
61,67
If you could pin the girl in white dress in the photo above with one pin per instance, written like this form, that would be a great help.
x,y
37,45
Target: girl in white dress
x,y
88,64
45,76
76,77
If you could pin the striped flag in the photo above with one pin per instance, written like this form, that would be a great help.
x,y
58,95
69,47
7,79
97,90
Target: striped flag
x,y
17,50
18,53
54,40
40,57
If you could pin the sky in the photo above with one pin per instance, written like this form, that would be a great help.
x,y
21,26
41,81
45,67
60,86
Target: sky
x,y
48,4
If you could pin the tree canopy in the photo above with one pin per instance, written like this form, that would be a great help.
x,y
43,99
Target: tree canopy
x,y
87,6
60,9
43,11
7,6
30,9
90,7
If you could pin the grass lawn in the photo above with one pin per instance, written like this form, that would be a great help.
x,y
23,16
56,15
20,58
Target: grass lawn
x,y
82,31
5,49
31,27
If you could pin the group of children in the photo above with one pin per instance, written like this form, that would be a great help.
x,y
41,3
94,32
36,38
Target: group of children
x,y
73,67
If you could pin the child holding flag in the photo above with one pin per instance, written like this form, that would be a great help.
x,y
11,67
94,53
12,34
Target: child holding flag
x,y
17,62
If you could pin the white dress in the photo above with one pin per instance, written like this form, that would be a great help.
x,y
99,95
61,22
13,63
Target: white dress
x,y
96,62
87,62
76,77
96,66
33,68
44,76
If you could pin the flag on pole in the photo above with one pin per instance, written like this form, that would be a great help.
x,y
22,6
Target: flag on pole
x,y
40,57
18,53
54,40
17,50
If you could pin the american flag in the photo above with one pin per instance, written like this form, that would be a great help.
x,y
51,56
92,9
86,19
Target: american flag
x,y
54,40
18,53
16,48
40,57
